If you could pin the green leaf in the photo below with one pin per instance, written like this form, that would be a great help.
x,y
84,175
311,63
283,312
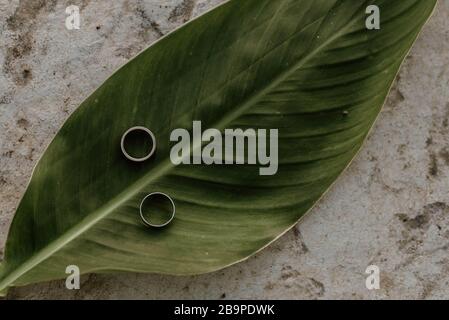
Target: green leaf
x,y
307,67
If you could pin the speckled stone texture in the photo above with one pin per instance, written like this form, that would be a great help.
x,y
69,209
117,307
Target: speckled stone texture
x,y
390,208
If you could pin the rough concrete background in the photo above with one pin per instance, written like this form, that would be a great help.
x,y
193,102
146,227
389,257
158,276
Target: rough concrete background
x,y
391,208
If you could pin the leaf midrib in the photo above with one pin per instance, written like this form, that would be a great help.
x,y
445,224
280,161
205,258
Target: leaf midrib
x,y
92,219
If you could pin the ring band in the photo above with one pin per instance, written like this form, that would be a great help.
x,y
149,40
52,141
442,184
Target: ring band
x,y
146,130
148,223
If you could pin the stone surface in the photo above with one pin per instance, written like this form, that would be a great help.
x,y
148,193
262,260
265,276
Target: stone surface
x,y
390,208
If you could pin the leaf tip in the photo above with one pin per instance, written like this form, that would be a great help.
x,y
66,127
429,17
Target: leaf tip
x,y
4,290
3,293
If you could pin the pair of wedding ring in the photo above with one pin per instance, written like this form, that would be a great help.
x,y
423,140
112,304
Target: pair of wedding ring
x,y
148,197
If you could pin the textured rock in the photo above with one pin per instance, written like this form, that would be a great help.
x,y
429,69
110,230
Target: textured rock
x,y
390,208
